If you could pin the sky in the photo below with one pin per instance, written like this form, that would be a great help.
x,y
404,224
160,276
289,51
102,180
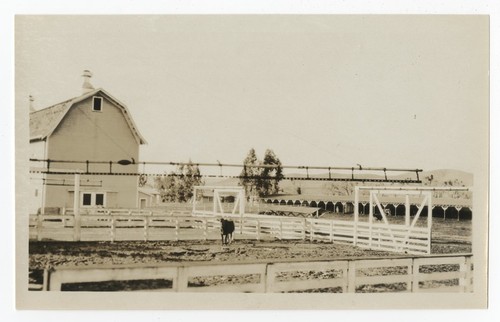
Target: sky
x,y
380,91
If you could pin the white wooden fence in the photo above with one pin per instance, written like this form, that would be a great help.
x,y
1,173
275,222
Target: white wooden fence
x,y
115,226
443,273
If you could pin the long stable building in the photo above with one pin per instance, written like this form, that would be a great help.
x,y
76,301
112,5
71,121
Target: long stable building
x,y
458,208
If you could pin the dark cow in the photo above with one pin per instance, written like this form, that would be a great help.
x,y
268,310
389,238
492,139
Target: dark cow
x,y
226,231
377,216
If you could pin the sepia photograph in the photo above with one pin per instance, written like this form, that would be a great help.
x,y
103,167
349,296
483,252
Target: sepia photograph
x,y
252,161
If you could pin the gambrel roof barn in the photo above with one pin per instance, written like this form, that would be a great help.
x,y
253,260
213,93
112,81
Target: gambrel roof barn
x,y
92,127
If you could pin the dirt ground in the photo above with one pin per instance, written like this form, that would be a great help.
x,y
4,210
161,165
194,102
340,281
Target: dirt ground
x,y
448,236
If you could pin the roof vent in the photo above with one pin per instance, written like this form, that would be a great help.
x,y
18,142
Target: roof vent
x,y
87,87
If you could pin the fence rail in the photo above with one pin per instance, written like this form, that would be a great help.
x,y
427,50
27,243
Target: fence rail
x,y
109,225
396,274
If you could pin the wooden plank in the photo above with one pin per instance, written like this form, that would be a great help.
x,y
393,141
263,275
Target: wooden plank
x,y
227,269
309,266
115,274
228,288
440,276
307,284
382,263
441,289
348,240
386,279
440,260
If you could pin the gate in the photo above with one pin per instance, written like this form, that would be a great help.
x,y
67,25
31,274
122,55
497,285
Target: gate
x,y
413,236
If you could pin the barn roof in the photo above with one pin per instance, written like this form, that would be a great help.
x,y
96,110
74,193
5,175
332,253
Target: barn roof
x,y
44,122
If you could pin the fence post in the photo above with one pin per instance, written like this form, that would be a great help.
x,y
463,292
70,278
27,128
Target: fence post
x,y
177,229
112,228
409,272
258,229
464,281
311,231
281,229
180,283
351,277
146,228
304,228
269,278
39,223
345,278
45,282
77,228
331,231
54,281
415,275
205,230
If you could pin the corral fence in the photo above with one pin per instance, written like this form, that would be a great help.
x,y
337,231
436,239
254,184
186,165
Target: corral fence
x,y
150,226
431,273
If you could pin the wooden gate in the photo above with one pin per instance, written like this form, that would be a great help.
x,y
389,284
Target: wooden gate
x,y
382,234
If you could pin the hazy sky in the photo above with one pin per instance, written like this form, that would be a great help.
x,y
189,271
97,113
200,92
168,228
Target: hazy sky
x,y
388,91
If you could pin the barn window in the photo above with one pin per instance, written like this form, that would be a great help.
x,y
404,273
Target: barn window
x,y
93,199
96,104
99,199
87,199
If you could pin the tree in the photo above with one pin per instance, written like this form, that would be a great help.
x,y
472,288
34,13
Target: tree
x,y
165,185
250,173
343,188
261,181
270,177
178,186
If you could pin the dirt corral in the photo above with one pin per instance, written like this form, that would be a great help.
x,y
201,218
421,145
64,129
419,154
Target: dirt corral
x,y
448,237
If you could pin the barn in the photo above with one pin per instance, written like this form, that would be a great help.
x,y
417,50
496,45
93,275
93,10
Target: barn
x,y
87,134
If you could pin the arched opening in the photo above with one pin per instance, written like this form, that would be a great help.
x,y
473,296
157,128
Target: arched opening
x,y
438,212
466,213
339,207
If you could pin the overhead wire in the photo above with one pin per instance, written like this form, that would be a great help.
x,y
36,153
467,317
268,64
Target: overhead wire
x,y
221,165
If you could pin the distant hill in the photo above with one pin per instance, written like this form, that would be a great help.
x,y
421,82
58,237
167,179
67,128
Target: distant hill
x,y
446,175
440,177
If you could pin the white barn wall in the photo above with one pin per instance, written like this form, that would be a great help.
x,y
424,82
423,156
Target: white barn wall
x,y
37,151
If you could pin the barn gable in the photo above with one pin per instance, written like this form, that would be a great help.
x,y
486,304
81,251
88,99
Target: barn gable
x,y
45,121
